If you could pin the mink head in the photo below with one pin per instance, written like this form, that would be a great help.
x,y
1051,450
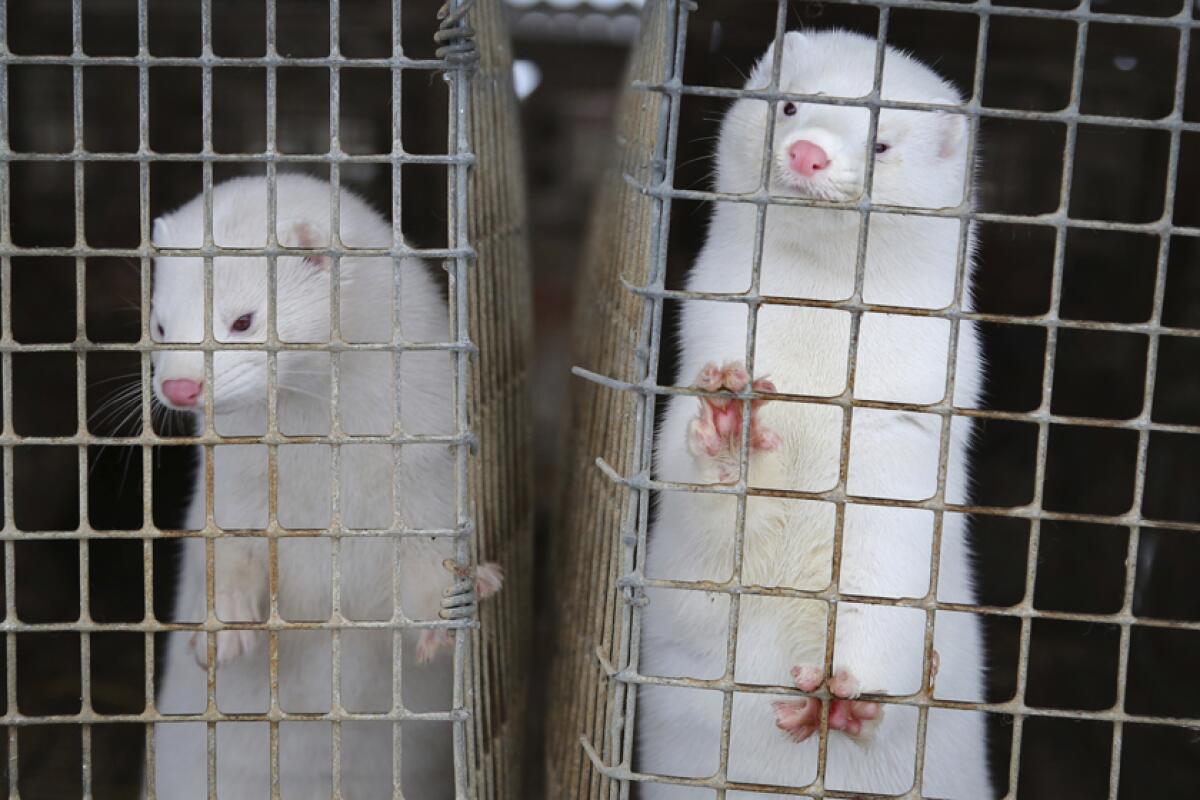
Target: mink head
x,y
240,290
820,151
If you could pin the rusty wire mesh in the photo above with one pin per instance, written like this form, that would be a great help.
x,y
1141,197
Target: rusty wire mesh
x,y
607,502
485,260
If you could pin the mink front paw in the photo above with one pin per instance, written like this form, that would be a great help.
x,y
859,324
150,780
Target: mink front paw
x,y
489,577
716,432
800,718
459,602
432,642
232,607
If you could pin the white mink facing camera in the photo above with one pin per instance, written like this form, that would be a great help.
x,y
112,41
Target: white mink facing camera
x,y
821,150
239,316
822,153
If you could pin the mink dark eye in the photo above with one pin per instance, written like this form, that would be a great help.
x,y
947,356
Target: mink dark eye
x,y
789,109
881,148
242,323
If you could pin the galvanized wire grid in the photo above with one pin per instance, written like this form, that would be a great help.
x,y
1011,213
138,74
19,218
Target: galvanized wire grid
x,y
586,546
611,756
457,257
500,388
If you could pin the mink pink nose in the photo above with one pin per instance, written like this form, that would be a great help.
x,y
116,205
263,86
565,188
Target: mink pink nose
x,y
182,391
807,158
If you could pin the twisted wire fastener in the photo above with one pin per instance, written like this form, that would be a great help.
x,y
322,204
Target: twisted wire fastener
x,y
459,600
456,39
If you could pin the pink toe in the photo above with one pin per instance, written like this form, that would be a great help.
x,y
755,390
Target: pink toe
x,y
791,710
736,377
710,377
850,716
839,716
797,718
807,679
765,386
843,684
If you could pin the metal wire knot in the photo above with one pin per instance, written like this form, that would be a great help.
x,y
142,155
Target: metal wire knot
x,y
459,600
456,39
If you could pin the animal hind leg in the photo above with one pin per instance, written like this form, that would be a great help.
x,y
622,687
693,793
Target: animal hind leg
x,y
801,718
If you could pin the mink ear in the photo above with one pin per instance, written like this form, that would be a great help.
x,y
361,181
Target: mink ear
x,y
952,130
760,77
305,235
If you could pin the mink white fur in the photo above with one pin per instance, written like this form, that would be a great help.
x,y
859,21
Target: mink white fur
x,y
810,253
423,486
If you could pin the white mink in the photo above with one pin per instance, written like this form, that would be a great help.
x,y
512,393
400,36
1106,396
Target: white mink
x,y
371,487
820,151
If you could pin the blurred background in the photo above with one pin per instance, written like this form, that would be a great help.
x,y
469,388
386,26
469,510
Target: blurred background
x,y
571,59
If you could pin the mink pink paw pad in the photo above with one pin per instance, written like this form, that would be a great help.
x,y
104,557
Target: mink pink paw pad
x,y
801,718
716,432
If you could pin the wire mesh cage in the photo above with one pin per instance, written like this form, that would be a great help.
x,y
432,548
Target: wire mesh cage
x,y
115,114
1080,212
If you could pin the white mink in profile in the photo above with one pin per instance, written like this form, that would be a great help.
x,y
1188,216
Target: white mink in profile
x,y
820,151
374,481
